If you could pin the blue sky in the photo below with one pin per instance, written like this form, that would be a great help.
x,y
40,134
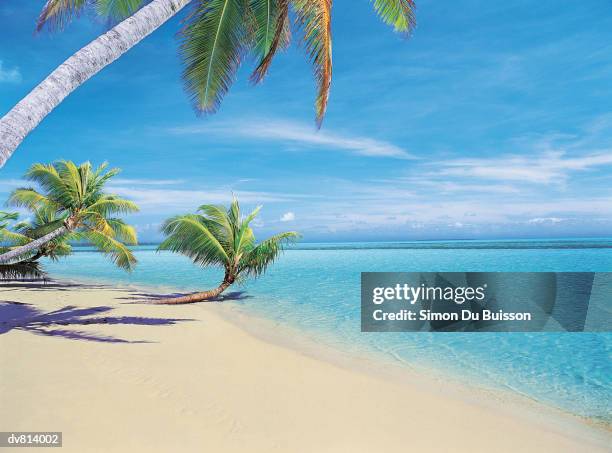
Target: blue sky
x,y
493,120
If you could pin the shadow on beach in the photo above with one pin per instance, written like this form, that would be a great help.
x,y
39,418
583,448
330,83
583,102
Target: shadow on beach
x,y
151,298
15,285
21,316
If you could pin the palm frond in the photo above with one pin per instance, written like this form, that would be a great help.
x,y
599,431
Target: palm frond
x,y
397,13
271,33
188,235
6,217
10,238
111,205
119,254
314,18
122,231
212,45
28,198
92,221
259,258
245,236
216,221
56,13
116,10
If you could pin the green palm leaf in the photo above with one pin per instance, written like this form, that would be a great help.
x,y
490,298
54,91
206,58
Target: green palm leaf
x,y
397,13
117,9
115,250
28,198
189,235
271,33
56,13
212,44
314,17
257,260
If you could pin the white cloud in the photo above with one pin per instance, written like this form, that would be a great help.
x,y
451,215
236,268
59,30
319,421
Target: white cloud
x,y
544,220
146,182
302,135
12,75
164,200
545,168
287,217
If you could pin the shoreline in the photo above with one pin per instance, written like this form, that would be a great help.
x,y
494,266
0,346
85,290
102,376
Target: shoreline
x,y
362,359
304,340
245,343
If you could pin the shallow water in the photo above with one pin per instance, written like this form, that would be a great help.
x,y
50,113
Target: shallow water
x,y
316,287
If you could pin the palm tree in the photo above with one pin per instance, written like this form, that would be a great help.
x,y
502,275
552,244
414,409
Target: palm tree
x,y
73,200
223,238
216,37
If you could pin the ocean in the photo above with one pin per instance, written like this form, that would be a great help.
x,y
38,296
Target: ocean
x,y
316,288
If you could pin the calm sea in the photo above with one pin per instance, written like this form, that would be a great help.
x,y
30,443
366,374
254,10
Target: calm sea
x,y
316,287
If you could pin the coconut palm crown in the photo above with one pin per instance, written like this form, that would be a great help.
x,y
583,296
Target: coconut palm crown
x,y
71,201
221,237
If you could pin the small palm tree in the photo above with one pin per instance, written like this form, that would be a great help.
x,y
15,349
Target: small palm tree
x,y
218,34
73,200
221,237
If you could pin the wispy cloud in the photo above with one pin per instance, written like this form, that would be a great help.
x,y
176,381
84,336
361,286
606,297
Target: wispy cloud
x,y
165,200
12,75
146,182
298,134
549,167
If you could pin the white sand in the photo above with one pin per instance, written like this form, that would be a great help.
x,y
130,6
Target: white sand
x,y
210,386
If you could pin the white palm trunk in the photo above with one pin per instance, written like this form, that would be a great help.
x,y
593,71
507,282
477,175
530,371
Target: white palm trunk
x,y
79,68
17,252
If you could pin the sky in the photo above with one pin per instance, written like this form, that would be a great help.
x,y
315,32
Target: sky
x,y
493,120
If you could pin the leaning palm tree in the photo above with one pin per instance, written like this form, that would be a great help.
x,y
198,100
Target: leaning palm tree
x,y
222,238
75,196
215,39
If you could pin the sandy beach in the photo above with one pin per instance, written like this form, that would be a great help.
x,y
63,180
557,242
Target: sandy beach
x,y
119,376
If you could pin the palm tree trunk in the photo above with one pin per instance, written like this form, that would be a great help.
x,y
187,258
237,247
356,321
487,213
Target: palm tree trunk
x,y
80,67
31,246
196,297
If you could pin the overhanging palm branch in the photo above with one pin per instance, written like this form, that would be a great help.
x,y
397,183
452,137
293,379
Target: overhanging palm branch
x,y
314,17
397,13
271,33
212,45
222,237
218,33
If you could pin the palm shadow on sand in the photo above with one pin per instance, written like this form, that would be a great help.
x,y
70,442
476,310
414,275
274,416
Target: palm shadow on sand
x,y
26,317
151,298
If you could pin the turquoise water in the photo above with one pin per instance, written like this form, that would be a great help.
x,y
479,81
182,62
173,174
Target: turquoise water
x,y
316,287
